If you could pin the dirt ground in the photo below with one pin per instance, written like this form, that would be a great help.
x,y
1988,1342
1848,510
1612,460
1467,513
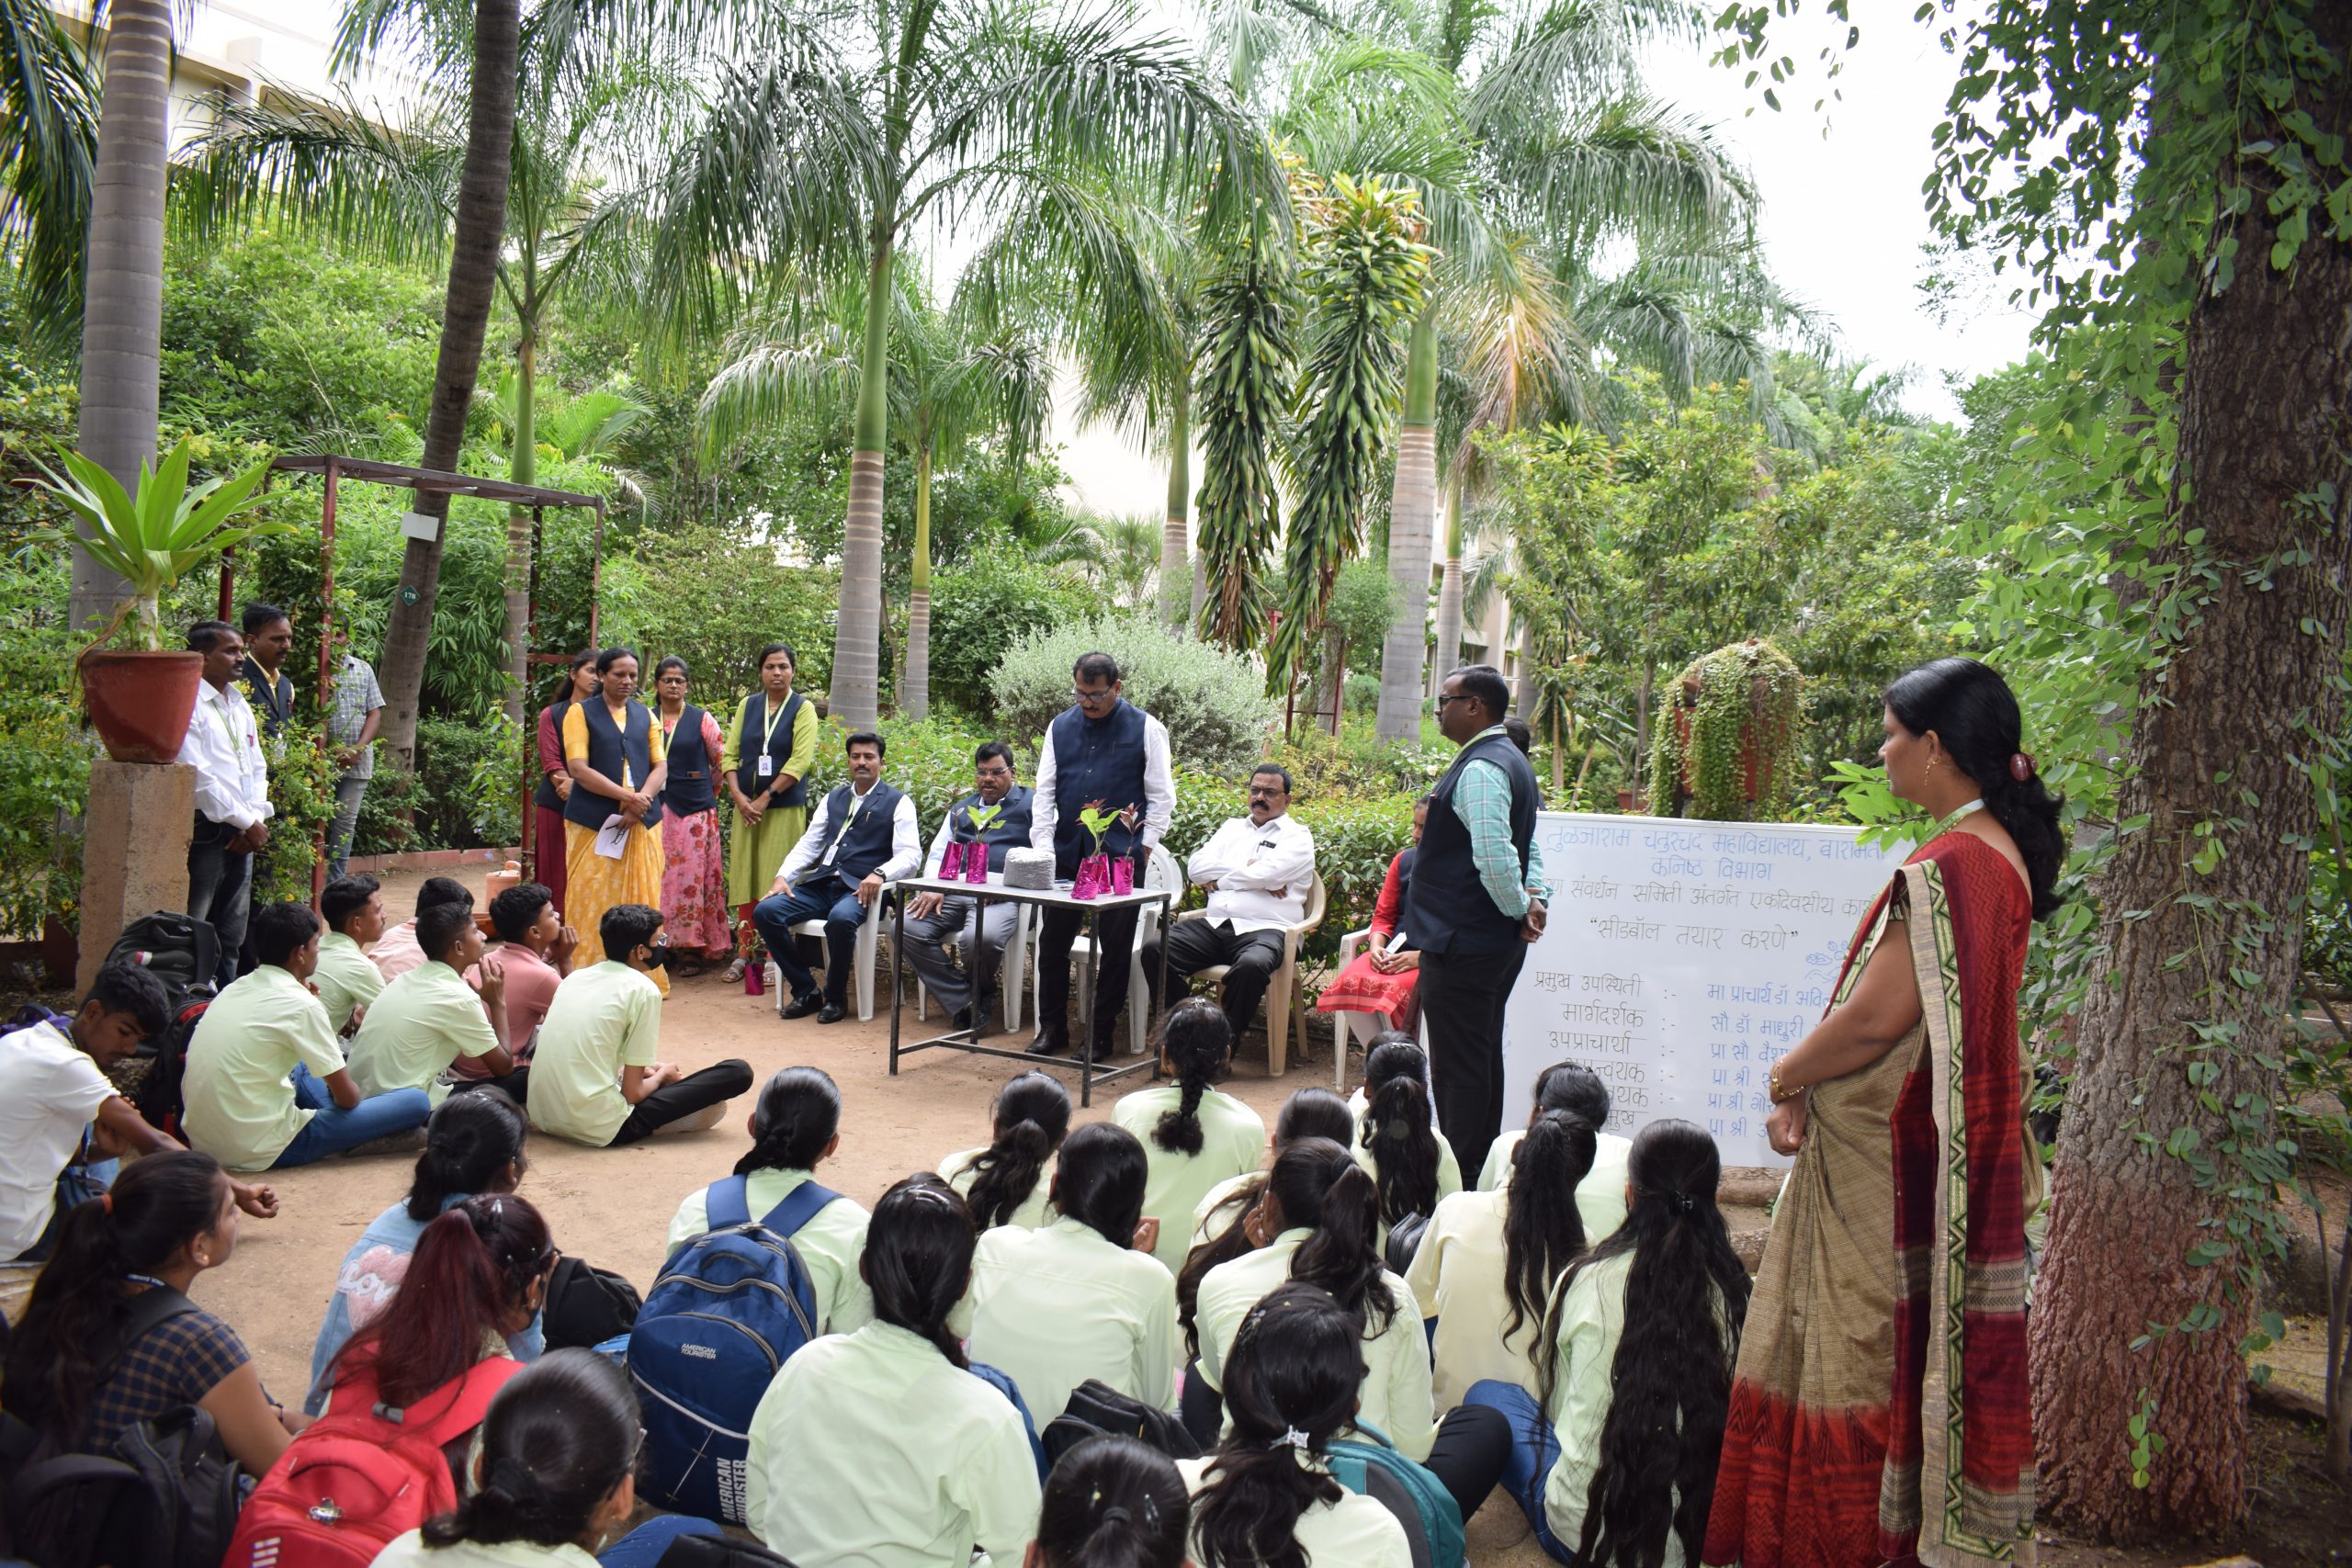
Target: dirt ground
x,y
612,1207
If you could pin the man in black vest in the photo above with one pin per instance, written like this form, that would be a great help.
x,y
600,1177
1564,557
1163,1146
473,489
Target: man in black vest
x,y
269,638
1101,749
933,918
864,838
1474,907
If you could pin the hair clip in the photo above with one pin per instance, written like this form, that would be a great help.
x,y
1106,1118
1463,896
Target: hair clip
x,y
2022,766
929,1195
1291,1438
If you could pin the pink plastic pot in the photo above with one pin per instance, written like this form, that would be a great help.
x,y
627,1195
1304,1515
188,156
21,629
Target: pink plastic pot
x,y
950,860
1123,875
975,864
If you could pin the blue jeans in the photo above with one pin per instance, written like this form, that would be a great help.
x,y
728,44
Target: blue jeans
x,y
1533,1450
334,1129
643,1547
829,900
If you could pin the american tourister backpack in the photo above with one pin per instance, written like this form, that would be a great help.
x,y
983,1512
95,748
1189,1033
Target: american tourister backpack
x,y
360,1475
1370,1464
728,1308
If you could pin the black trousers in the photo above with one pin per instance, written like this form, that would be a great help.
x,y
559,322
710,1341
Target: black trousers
x,y
1195,945
676,1101
1462,998
1114,943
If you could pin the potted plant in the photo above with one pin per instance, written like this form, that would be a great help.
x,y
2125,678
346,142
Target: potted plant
x,y
1094,871
982,817
140,699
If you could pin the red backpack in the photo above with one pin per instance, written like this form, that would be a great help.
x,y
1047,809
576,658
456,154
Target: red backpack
x,y
361,1475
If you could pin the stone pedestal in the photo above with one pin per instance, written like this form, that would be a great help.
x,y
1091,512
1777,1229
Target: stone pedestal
x,y
134,851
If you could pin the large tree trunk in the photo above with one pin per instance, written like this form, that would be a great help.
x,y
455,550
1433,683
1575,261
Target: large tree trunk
x,y
2266,417
914,680
1522,688
524,469
1176,537
1405,650
1449,593
122,312
856,691
464,317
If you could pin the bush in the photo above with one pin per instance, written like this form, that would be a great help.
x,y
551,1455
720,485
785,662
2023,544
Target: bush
x,y
44,761
979,608
1212,701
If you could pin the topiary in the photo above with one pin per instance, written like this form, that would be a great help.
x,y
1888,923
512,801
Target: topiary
x,y
1724,748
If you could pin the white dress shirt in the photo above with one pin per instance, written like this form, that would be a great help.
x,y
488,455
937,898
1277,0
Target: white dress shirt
x,y
224,746
1262,873
1158,787
906,837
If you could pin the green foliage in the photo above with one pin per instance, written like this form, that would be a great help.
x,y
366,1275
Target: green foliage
x,y
301,795
44,759
713,597
1724,749
1245,376
1212,701
980,607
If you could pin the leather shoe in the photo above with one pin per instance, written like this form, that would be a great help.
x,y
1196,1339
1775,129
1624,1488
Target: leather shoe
x,y
801,1007
1052,1040
831,1012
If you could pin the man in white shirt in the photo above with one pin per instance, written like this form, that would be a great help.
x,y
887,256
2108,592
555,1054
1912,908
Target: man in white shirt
x,y
864,837
1258,869
232,792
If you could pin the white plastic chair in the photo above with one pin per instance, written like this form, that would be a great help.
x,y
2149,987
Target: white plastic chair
x,y
1285,1000
1012,963
861,967
1159,875
1343,1023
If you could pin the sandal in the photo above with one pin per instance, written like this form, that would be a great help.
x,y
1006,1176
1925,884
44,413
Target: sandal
x,y
734,976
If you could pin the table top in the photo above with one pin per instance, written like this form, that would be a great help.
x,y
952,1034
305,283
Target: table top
x,y
1057,894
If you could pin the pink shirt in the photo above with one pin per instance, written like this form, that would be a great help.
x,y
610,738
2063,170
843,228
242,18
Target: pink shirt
x,y
396,953
530,987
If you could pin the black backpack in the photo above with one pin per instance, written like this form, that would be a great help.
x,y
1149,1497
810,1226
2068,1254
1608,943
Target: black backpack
x,y
1098,1410
179,950
719,1552
587,1305
159,1101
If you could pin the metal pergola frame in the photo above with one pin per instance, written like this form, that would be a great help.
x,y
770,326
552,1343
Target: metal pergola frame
x,y
334,467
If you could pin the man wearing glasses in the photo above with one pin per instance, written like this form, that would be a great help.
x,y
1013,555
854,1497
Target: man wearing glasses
x,y
933,918
1103,750
1473,907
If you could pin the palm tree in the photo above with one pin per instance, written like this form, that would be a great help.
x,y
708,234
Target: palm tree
x,y
49,140
848,131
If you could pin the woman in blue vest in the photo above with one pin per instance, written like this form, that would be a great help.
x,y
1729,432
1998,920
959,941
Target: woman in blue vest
x,y
618,760
770,745
694,892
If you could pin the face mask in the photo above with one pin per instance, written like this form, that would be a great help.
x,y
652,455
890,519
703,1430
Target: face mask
x,y
657,955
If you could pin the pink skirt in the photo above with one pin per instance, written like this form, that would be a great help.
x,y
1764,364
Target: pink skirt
x,y
693,884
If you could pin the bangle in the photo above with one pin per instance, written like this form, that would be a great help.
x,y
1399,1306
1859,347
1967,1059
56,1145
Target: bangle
x,y
1780,1095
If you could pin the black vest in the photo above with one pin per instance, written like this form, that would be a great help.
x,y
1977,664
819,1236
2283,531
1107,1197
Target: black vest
x,y
608,748
688,787
1008,832
779,746
272,699
1101,759
867,843
545,795
1448,909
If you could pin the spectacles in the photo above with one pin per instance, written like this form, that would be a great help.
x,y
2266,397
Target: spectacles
x,y
1091,698
1445,697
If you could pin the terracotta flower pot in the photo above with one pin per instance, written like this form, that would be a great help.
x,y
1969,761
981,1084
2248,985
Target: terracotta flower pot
x,y
140,703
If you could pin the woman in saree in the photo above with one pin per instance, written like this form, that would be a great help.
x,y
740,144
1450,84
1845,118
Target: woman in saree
x,y
1879,1412
614,751
771,744
1376,980
693,894
554,781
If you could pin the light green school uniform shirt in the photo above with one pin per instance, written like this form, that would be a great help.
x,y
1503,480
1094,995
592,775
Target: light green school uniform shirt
x,y
603,1018
239,1089
1458,1278
1601,1196
1396,1394
1233,1142
424,1020
410,1552
958,1172
345,978
1356,1531
872,1450
830,1244
1055,1306
1213,1199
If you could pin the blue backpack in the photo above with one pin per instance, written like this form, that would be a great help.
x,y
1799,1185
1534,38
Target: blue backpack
x,y
1371,1467
728,1309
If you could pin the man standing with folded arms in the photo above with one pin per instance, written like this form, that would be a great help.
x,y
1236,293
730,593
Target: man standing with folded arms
x,y
1473,908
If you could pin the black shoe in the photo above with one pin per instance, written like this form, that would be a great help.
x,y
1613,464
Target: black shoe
x,y
983,1016
831,1012
801,1007
1052,1040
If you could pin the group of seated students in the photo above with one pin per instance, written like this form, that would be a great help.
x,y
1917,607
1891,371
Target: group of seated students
x,y
1566,1329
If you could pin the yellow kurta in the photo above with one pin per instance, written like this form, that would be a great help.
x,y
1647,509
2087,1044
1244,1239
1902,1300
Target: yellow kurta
x,y
754,849
593,884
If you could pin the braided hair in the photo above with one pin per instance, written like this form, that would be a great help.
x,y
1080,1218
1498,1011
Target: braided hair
x,y
1196,1042
557,1442
799,1114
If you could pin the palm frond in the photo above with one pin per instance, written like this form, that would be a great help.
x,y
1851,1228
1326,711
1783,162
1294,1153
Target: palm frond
x,y
49,140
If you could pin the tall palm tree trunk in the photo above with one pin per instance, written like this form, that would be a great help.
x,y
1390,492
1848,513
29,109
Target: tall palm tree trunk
x,y
1176,539
1403,652
524,469
1449,593
855,693
464,317
122,314
1522,690
914,680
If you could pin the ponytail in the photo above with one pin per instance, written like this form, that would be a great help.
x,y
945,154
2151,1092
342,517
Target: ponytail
x,y
470,1276
799,1113
1031,1116
1543,1227
1318,1184
1975,714
918,1259
1291,1383
1113,1503
469,1144
1197,1040
1396,1131
558,1441
1098,1181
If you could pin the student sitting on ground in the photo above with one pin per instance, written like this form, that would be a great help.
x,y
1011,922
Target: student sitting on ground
x,y
534,949
1195,1135
1396,1136
348,979
593,1079
1489,1260
795,1128
554,1481
430,1016
1266,1498
1009,1182
1220,1231
473,1145
266,1086
1613,1457
55,1099
396,951
1577,1089
881,1445
70,1374
1082,1296
1113,1502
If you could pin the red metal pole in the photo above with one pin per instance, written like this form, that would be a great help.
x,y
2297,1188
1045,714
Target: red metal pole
x,y
326,664
595,571
228,579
